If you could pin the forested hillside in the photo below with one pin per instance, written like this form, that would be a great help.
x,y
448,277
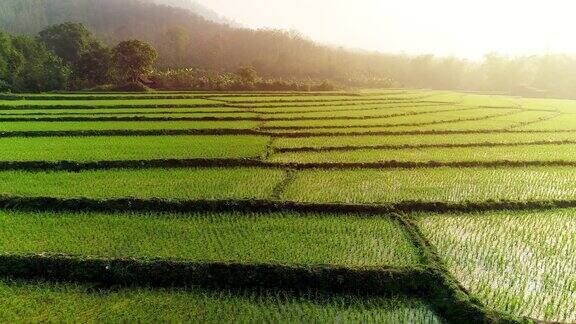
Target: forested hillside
x,y
197,8
185,39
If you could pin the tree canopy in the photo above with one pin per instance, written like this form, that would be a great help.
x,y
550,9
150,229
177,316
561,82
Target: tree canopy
x,y
88,59
133,58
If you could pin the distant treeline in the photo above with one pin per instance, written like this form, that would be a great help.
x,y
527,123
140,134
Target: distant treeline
x,y
185,40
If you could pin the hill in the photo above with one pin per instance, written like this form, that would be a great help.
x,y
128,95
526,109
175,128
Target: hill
x,y
185,39
199,9
195,37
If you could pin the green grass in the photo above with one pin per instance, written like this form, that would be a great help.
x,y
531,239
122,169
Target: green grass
x,y
123,125
131,115
170,184
116,111
329,103
517,262
340,240
107,103
561,105
435,185
429,139
392,121
495,123
130,148
383,106
562,122
564,152
488,123
316,98
377,111
68,303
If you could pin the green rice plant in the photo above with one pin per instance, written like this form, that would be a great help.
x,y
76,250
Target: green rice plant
x,y
106,148
283,238
562,122
439,117
485,100
168,184
329,103
520,263
106,103
433,185
118,111
485,124
543,153
375,111
70,303
560,105
268,99
122,125
346,107
505,122
176,114
415,140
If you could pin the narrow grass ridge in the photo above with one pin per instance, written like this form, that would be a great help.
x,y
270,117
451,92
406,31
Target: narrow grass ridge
x,y
258,163
336,104
224,131
142,117
166,273
11,202
410,146
437,122
134,106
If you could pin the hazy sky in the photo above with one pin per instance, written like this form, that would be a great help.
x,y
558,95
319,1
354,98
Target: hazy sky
x,y
467,28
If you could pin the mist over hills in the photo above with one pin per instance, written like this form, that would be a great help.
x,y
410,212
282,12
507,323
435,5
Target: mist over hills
x,y
186,39
187,35
199,9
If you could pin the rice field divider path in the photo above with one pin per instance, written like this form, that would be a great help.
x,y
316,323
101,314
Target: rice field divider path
x,y
143,117
437,122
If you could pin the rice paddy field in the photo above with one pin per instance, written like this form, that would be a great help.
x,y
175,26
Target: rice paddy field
x,y
383,206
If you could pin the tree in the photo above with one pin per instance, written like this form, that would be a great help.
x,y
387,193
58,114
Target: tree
x,y
5,61
68,40
133,59
86,56
248,75
94,65
36,68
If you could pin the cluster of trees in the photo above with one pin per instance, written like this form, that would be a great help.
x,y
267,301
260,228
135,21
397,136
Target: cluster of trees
x,y
68,56
245,78
28,65
552,75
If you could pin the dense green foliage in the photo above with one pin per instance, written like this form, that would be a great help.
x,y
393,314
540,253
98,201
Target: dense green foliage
x,y
86,56
133,59
68,56
28,65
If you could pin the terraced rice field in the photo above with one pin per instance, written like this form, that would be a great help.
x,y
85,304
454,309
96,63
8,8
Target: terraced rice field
x,y
389,206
